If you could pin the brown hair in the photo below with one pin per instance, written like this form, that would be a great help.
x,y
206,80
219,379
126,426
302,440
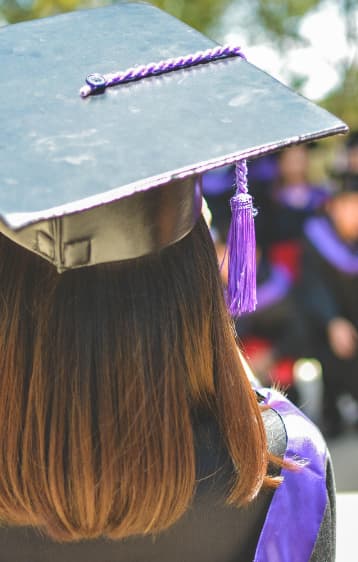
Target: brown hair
x,y
101,369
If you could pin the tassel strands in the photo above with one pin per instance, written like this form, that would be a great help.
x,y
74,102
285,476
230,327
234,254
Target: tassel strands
x,y
242,248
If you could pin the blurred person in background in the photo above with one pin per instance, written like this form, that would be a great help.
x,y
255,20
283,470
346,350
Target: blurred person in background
x,y
329,294
346,177
272,337
293,198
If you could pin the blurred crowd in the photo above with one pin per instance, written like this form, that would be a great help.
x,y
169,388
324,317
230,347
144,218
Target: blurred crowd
x,y
303,335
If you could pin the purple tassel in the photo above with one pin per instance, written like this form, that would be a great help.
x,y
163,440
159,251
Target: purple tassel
x,y
242,248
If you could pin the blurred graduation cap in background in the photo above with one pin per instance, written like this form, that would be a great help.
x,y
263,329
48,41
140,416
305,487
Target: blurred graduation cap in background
x,y
115,176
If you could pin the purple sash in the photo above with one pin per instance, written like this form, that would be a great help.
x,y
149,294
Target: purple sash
x,y
324,238
302,197
274,289
296,512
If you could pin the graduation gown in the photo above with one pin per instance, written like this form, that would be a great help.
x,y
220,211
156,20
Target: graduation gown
x,y
290,208
330,273
277,319
330,290
285,526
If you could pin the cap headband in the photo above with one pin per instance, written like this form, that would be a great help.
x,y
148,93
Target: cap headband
x,y
128,228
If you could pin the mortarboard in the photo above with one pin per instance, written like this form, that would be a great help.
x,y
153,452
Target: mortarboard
x,y
114,176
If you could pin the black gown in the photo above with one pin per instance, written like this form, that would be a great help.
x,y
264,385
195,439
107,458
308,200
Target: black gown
x,y
209,531
327,292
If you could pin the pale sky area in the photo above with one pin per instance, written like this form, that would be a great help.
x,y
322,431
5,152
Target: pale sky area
x,y
327,48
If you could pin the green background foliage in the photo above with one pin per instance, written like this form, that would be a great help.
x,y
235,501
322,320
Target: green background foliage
x,y
197,13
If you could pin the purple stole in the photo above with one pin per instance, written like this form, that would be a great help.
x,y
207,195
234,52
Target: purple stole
x,y
335,251
302,197
297,509
275,288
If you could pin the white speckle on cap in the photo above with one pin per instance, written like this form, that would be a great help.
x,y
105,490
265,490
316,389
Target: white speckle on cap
x,y
75,160
242,99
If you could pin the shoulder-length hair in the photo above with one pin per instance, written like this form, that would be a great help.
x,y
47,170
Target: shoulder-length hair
x,y
101,371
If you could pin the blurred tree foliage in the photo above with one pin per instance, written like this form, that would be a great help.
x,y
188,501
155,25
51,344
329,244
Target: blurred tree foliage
x,y
281,18
201,14
343,100
19,10
197,13
277,20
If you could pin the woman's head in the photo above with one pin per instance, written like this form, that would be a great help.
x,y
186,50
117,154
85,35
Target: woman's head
x,y
293,165
101,372
343,211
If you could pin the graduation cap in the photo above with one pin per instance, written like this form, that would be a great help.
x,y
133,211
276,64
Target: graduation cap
x,y
114,176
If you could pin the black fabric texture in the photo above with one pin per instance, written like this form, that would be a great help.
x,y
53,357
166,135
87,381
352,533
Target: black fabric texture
x,y
327,293
210,531
325,547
